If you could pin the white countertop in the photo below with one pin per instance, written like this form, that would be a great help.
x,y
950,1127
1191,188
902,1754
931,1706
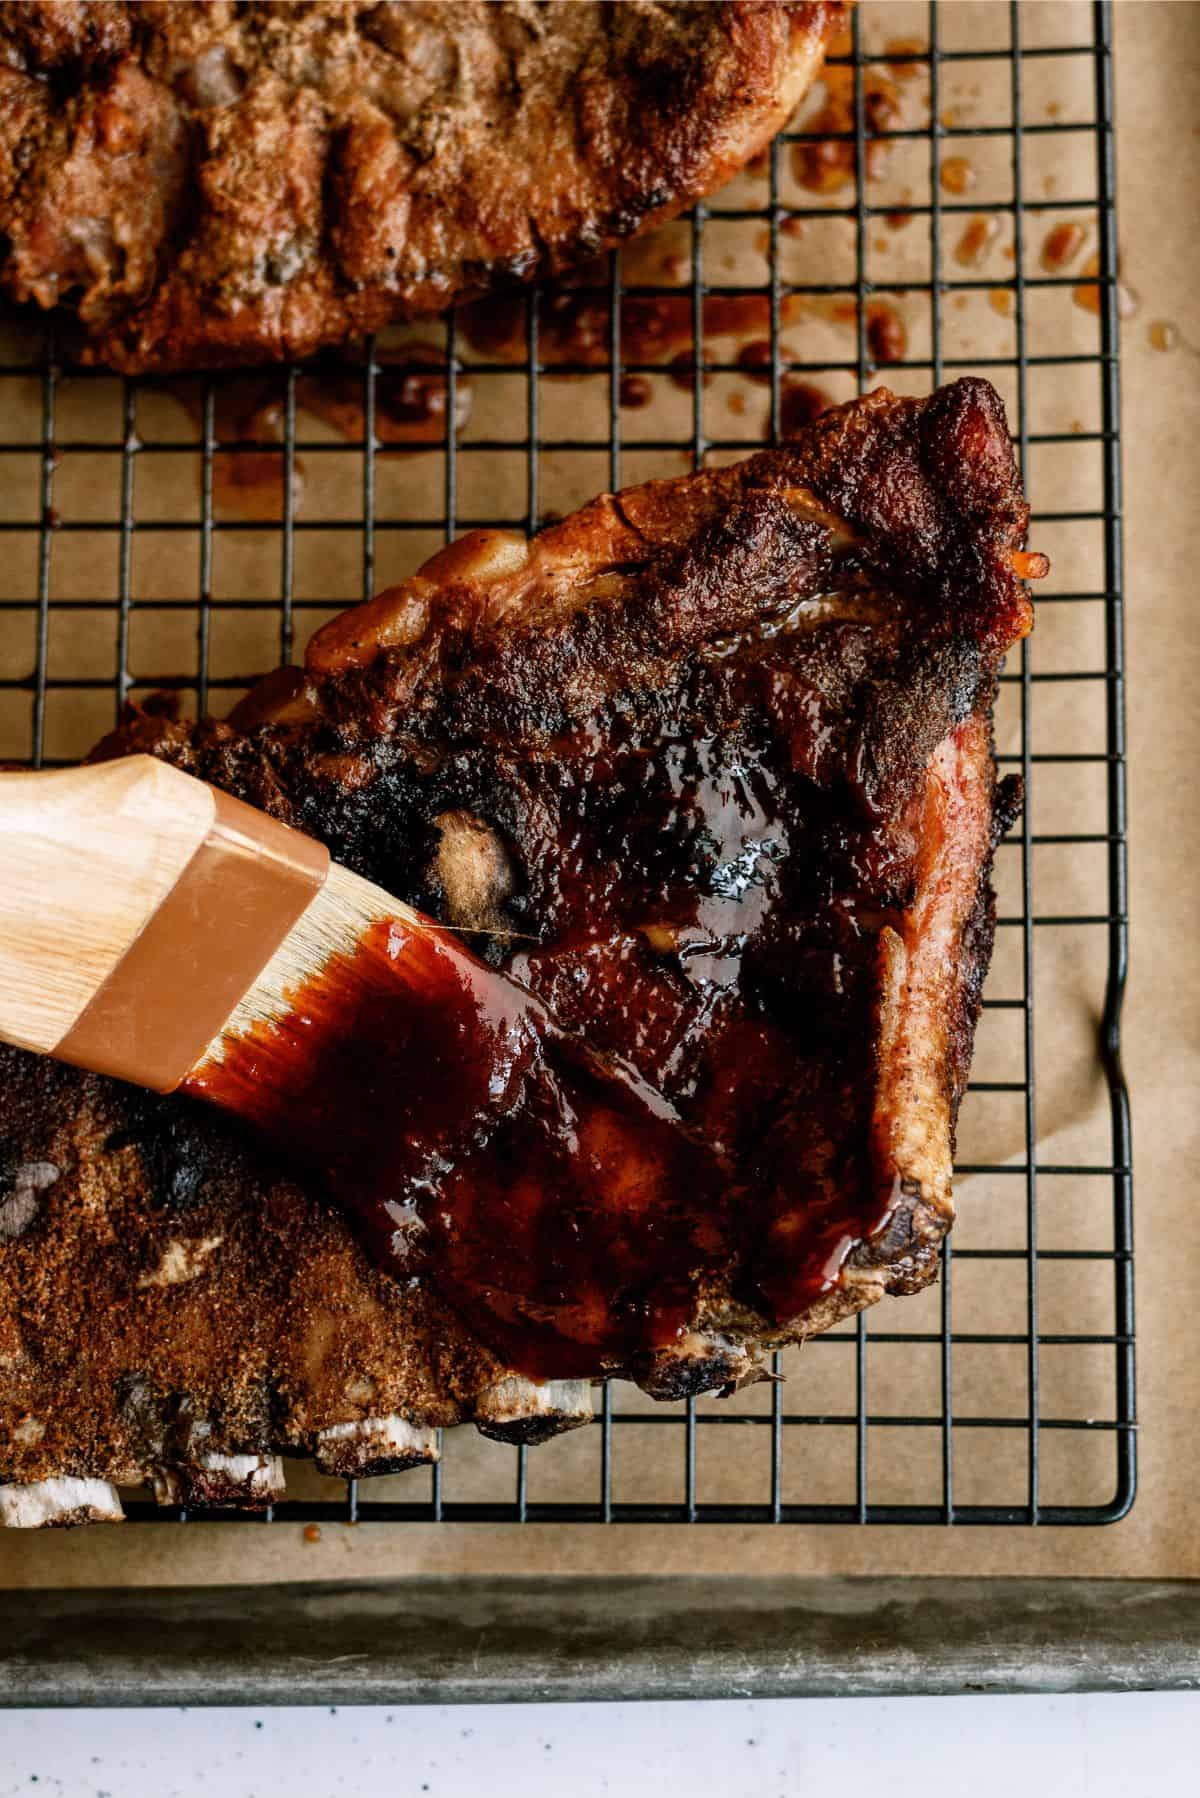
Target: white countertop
x,y
1123,1746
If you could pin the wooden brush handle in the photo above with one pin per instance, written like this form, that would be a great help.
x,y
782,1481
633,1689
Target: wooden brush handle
x,y
134,900
89,855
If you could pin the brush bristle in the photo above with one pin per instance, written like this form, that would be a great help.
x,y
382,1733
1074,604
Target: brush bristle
x,y
333,925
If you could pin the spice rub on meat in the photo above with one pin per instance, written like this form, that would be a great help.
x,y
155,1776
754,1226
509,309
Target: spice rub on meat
x,y
212,183
707,766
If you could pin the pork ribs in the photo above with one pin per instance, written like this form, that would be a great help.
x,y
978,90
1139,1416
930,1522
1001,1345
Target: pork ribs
x,y
708,767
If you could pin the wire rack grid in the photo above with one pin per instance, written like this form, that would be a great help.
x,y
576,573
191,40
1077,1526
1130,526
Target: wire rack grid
x,y
965,1406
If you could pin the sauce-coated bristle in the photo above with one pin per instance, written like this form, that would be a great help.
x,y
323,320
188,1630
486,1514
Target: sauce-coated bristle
x,y
332,927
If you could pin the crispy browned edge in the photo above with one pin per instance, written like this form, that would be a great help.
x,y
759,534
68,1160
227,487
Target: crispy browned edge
x,y
161,311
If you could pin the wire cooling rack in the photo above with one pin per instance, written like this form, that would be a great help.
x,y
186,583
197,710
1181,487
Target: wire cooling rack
x,y
1006,1394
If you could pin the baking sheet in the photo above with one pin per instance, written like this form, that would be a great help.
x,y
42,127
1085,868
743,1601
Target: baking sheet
x,y
1158,53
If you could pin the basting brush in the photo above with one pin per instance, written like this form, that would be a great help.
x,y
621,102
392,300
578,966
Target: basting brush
x,y
155,929
149,922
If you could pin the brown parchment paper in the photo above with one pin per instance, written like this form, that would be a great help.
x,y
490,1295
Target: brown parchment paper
x,y
1158,81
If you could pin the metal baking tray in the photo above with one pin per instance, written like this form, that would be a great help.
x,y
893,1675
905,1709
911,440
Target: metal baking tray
x,y
821,275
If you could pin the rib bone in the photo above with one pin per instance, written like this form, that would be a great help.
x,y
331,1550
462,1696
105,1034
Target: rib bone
x,y
520,1410
59,1503
221,1482
699,1362
376,1445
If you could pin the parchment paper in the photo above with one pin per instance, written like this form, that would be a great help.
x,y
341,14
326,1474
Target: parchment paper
x,y
1158,78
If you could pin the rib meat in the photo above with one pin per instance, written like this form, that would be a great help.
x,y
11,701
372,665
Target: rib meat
x,y
209,183
708,767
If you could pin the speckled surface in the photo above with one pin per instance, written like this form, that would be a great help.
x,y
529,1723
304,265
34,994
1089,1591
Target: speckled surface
x,y
1075,1747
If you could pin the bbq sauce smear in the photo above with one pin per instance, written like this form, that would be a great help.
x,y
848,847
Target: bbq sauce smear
x,y
552,1195
553,1198
670,1086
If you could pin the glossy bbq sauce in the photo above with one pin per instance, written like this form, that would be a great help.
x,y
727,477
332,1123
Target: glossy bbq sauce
x,y
887,334
1087,293
800,402
826,163
411,405
554,1199
1062,244
411,398
957,175
976,240
574,324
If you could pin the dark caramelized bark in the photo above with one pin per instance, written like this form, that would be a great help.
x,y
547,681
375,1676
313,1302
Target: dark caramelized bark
x,y
210,183
707,768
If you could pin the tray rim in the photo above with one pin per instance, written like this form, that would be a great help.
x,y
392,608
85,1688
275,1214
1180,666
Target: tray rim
x,y
444,1640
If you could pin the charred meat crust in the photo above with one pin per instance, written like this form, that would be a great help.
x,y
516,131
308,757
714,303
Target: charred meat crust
x,y
817,629
210,184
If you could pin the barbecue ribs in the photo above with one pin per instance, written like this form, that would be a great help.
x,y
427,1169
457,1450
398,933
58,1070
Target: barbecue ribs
x,y
707,766
210,184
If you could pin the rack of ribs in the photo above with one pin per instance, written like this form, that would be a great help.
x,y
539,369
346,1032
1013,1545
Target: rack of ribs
x,y
207,184
706,766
